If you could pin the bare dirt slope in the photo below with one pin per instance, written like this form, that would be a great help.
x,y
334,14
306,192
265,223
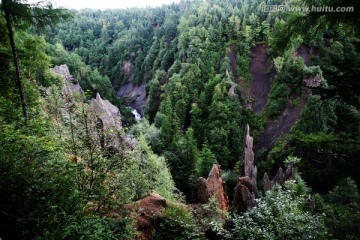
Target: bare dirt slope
x,y
277,128
261,84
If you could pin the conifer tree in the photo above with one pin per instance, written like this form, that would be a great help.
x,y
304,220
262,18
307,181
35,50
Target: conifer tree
x,y
20,15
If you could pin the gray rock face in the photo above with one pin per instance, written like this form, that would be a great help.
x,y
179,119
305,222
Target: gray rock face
x,y
247,167
136,95
108,120
246,189
102,113
279,178
70,85
313,81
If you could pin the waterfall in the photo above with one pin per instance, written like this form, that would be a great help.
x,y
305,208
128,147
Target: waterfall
x,y
136,114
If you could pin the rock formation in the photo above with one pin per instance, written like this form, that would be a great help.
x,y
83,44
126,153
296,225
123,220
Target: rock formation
x,y
103,114
247,167
246,189
313,81
70,86
108,120
212,186
147,209
244,195
135,95
279,178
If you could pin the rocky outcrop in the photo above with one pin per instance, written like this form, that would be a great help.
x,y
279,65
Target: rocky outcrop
x,y
212,186
108,121
147,209
280,177
135,95
102,113
246,189
244,195
247,167
127,68
70,86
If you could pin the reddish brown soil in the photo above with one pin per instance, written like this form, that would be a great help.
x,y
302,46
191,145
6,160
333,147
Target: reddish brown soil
x,y
147,209
261,84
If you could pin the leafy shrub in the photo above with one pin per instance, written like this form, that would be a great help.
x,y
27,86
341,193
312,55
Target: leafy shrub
x,y
278,100
277,216
176,223
342,210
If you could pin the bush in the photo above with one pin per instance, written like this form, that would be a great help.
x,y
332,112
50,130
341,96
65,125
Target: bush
x,y
278,216
176,223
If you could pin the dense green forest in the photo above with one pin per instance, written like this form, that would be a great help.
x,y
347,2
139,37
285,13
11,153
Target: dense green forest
x,y
76,164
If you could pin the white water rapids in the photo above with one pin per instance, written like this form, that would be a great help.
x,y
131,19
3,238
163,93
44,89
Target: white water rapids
x,y
136,114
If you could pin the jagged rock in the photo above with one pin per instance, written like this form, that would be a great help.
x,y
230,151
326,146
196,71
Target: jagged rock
x,y
280,177
70,85
147,209
267,184
246,189
244,195
108,121
247,167
212,186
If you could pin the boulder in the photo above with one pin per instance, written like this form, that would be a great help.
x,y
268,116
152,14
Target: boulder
x,y
147,209
244,195
212,186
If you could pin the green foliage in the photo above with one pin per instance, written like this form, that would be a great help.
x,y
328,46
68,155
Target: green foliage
x,y
88,78
95,227
279,215
341,209
278,100
205,161
176,223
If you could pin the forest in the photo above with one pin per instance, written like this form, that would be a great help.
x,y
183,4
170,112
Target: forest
x,y
247,121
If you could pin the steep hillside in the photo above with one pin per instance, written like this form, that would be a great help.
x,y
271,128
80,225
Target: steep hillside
x,y
246,126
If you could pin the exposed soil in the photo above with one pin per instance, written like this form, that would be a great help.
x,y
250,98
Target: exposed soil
x,y
261,84
278,127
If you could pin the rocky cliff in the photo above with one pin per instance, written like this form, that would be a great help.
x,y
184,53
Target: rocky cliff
x,y
108,120
70,85
104,114
134,95
212,186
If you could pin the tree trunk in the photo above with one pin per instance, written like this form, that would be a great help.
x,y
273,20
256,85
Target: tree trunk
x,y
16,60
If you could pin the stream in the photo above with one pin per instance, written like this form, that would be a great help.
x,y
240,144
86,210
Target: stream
x,y
136,114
